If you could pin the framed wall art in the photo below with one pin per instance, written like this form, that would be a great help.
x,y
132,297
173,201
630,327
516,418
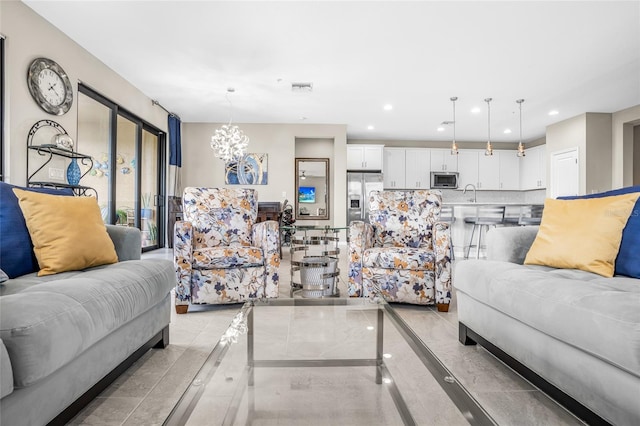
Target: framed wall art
x,y
250,169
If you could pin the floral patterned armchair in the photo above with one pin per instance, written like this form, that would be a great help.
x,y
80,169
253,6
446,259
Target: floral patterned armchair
x,y
404,253
221,255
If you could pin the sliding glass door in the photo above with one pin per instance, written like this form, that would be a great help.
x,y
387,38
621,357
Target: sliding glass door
x,y
128,165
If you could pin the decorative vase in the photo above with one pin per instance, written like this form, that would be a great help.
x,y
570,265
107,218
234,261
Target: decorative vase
x,y
73,172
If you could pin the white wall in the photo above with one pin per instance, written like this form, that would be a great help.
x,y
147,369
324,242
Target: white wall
x,y
201,168
29,36
622,141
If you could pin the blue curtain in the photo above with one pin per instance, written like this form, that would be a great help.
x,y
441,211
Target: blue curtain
x,y
175,141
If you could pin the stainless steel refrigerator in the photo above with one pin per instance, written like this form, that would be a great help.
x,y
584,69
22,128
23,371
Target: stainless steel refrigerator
x,y
359,185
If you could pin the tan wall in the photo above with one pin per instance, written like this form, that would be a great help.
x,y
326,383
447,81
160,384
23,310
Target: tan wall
x,y
598,155
564,135
622,141
29,36
636,155
201,168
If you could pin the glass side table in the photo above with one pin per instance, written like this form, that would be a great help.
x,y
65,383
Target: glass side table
x,y
314,260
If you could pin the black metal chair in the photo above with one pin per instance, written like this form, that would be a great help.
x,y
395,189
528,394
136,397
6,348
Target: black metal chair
x,y
531,215
486,216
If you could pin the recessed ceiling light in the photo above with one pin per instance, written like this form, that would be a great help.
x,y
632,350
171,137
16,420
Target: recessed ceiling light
x,y
370,127
507,131
475,110
388,107
440,129
554,112
303,118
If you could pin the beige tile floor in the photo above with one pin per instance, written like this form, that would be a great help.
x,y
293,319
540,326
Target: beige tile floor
x,y
146,392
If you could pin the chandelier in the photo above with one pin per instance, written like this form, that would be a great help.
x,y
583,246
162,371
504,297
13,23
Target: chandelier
x,y
229,142
520,145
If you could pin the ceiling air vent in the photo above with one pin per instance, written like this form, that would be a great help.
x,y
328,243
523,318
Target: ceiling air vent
x,y
301,87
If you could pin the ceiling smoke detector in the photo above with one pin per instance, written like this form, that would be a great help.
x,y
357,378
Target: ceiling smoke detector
x,y
301,87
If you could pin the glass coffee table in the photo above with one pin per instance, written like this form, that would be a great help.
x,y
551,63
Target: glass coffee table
x,y
327,361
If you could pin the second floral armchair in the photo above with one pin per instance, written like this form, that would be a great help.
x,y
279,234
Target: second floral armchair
x,y
404,253
221,255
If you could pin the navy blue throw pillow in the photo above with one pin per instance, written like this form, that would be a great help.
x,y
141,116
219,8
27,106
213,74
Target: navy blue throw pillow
x,y
627,262
16,249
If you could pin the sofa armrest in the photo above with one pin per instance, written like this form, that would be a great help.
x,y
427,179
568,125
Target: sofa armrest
x,y
510,244
266,235
442,250
360,239
127,242
6,372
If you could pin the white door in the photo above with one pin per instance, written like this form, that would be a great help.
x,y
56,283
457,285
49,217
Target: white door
x,y
565,173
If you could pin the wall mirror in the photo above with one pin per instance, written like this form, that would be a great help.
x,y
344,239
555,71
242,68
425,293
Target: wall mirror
x,y
312,188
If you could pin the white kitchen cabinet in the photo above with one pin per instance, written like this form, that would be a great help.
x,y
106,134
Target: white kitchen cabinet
x,y
394,168
533,168
467,168
417,168
509,170
365,157
488,171
443,161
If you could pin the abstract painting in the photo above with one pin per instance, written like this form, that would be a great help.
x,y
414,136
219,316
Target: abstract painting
x,y
250,169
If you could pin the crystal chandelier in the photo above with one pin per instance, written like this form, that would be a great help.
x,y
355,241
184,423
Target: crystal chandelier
x,y
229,142
520,145
489,150
454,145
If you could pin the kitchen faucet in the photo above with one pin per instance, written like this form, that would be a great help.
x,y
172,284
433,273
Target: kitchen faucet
x,y
464,191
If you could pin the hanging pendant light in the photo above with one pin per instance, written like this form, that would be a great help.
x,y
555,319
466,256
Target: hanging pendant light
x,y
454,145
229,142
520,145
489,150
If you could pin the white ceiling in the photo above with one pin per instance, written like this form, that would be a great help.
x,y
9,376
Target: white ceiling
x,y
573,57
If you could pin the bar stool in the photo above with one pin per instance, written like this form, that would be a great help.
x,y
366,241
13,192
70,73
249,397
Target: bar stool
x,y
446,216
531,215
485,217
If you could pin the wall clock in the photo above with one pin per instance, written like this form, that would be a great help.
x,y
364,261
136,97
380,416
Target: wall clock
x,y
50,86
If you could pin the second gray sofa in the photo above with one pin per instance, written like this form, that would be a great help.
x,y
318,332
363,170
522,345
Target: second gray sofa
x,y
574,334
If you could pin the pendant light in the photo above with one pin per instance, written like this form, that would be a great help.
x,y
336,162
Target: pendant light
x,y
454,145
489,150
520,145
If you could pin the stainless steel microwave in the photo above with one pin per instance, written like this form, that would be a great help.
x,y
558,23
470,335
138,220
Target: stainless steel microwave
x,y
444,180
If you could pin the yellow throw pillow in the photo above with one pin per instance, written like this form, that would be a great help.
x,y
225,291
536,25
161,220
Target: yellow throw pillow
x,y
582,234
68,233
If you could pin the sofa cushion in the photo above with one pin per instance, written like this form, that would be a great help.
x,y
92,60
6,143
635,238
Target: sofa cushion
x,y
399,258
582,234
227,257
47,325
6,373
627,261
16,250
68,233
595,314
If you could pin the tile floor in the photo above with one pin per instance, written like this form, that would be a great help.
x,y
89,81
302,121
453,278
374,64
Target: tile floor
x,y
146,392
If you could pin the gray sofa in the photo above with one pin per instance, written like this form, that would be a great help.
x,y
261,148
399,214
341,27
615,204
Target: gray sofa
x,y
574,334
65,337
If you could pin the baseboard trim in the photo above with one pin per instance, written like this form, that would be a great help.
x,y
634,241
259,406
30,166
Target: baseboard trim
x,y
160,340
467,336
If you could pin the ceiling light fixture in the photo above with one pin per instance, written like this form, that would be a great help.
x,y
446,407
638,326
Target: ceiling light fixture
x,y
454,145
370,127
553,112
507,131
489,150
229,142
440,129
303,176
475,110
388,107
520,145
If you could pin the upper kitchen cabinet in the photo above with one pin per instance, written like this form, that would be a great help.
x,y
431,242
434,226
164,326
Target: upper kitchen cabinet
x,y
417,171
365,157
533,168
394,168
468,168
488,171
443,161
509,170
